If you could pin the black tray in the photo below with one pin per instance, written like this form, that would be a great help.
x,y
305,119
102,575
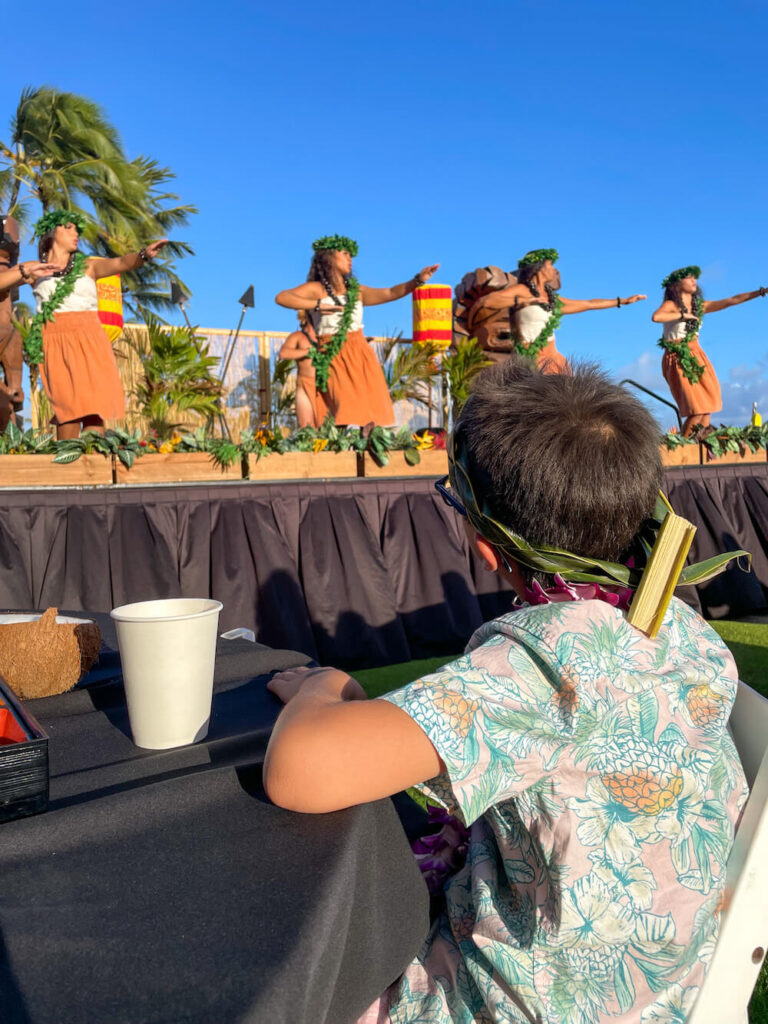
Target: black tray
x,y
23,762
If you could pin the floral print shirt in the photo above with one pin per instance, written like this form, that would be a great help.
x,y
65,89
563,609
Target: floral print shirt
x,y
594,767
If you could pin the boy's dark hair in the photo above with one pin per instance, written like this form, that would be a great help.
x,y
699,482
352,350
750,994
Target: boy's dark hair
x,y
572,460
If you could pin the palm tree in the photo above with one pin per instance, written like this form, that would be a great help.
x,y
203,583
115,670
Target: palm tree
x,y
63,151
177,377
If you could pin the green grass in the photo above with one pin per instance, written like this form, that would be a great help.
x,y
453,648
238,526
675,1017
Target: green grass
x,y
376,681
748,642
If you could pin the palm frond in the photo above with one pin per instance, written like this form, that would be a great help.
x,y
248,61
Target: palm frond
x,y
67,153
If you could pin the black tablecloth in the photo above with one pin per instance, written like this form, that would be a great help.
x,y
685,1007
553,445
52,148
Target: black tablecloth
x,y
161,886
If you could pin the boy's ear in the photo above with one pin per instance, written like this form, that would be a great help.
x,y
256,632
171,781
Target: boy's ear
x,y
485,551
488,554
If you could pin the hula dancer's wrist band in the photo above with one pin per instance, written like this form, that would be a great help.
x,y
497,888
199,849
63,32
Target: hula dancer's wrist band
x,y
144,256
22,270
618,302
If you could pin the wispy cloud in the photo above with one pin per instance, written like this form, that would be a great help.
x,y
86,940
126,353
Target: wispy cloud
x,y
744,385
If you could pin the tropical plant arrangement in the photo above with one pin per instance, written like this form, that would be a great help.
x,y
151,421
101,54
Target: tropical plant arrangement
x,y
722,439
459,368
14,441
124,445
408,373
177,377
377,441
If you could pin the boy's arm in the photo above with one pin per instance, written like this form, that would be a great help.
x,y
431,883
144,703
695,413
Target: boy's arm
x,y
331,748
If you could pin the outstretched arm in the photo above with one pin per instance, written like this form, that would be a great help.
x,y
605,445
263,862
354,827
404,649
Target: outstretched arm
x,y
715,305
377,296
583,305
26,273
331,748
103,267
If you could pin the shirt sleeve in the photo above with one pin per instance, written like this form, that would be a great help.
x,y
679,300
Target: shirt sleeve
x,y
497,734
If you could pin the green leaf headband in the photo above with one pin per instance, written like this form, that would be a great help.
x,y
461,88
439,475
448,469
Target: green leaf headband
x,y
339,243
678,275
55,218
467,480
538,256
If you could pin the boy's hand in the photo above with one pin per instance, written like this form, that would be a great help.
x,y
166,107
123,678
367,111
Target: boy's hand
x,y
286,685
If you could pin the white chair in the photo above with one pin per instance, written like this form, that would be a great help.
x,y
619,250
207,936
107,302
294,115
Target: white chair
x,y
743,937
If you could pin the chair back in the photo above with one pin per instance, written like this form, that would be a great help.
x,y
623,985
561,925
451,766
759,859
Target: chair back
x,y
743,938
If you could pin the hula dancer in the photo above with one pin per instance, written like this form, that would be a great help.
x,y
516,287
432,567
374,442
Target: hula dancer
x,y
536,309
348,374
311,410
686,368
78,371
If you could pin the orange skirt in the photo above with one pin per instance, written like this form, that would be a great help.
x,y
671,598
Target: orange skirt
x,y
306,385
692,399
357,390
79,371
549,360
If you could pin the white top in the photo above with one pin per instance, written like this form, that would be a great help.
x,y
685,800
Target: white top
x,y
328,323
675,330
529,323
82,299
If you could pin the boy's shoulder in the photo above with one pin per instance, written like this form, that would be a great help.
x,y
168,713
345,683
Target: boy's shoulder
x,y
594,632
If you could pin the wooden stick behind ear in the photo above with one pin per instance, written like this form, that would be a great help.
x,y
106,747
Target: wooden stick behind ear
x,y
652,597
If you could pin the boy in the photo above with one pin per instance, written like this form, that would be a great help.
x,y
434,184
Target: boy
x,y
591,762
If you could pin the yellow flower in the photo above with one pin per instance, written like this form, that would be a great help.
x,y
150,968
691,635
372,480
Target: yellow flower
x,y
166,447
424,443
320,444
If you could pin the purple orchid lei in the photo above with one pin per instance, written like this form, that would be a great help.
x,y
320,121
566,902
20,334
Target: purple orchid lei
x,y
563,591
442,853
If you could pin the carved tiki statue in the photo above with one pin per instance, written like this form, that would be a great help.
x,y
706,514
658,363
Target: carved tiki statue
x,y
11,359
471,319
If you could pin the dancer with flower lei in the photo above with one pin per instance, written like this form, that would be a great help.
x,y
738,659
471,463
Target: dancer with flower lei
x,y
686,368
347,371
78,367
536,308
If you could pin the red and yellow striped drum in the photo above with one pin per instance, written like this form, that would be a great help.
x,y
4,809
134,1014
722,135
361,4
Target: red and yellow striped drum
x,y
110,306
433,314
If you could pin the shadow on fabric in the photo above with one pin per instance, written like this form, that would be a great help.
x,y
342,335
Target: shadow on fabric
x,y
13,1009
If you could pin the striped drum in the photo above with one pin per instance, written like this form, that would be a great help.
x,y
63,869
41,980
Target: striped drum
x,y
110,305
433,314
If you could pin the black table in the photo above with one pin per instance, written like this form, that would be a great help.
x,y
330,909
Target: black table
x,y
162,886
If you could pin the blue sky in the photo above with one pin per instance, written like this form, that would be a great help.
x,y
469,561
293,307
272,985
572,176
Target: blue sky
x,y
629,136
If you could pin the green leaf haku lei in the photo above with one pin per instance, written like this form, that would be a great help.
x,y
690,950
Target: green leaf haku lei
x,y
321,358
33,343
58,218
692,369
473,488
532,350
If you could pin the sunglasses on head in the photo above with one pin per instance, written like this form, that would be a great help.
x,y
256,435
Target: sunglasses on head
x,y
443,488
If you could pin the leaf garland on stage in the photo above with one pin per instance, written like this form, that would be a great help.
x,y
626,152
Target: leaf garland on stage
x,y
322,357
33,343
691,368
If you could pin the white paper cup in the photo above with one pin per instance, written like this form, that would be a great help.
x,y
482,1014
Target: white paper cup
x,y
168,650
